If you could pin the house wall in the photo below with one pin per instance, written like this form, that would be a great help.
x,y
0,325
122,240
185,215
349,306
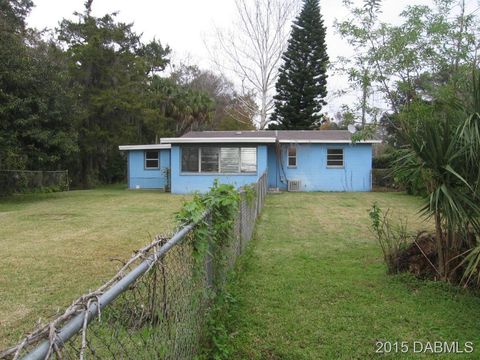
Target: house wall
x,y
184,183
312,168
141,178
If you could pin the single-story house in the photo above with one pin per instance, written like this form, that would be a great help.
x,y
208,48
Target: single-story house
x,y
300,160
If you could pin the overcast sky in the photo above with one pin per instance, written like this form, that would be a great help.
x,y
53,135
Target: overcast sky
x,y
184,24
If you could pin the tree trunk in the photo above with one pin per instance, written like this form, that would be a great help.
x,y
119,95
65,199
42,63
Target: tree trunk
x,y
459,43
263,112
364,99
440,246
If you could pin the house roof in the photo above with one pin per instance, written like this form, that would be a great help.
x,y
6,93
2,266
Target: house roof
x,y
266,136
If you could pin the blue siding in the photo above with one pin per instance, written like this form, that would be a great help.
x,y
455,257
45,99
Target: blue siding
x,y
141,178
312,169
188,183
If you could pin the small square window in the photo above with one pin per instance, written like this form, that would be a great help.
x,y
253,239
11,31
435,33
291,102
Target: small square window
x,y
151,160
334,157
292,156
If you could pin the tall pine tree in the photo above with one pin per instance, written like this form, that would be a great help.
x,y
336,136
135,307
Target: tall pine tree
x,y
302,82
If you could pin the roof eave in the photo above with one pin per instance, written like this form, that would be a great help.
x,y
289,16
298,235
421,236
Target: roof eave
x,y
199,140
144,147
313,141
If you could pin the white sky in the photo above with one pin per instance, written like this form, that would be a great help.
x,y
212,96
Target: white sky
x,y
184,24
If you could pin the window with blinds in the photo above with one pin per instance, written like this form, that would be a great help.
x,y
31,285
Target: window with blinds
x,y
334,157
225,160
229,160
248,156
209,159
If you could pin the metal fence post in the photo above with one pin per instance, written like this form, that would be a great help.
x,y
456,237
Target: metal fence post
x,y
68,180
240,224
208,255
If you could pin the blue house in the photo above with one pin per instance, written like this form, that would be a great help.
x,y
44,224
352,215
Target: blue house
x,y
300,160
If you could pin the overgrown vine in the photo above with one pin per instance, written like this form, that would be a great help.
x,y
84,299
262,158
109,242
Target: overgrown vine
x,y
215,213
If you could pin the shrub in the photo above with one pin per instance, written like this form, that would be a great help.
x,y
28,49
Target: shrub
x,y
393,238
382,178
12,182
385,160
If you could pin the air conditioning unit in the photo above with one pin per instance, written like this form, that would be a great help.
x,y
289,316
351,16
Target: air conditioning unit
x,y
293,185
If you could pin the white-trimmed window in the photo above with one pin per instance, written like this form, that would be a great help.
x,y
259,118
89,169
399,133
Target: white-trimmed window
x,y
335,157
152,160
292,156
215,159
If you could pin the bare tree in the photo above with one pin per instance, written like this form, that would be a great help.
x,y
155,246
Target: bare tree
x,y
252,48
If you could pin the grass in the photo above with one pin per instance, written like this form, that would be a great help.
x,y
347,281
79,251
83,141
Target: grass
x,y
54,247
313,286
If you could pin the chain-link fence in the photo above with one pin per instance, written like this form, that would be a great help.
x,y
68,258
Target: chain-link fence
x,y
15,181
157,304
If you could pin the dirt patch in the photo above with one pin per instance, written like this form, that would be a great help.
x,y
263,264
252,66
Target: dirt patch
x,y
420,257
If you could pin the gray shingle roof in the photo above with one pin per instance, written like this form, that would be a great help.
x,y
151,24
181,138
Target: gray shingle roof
x,y
319,135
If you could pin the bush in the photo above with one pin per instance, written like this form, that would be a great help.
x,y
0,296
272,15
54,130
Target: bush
x,y
12,182
383,161
382,178
382,173
21,181
393,238
413,182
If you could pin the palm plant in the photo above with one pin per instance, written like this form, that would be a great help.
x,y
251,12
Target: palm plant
x,y
444,152
469,132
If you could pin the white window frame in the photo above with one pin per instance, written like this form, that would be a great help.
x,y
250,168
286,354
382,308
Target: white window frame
x,y
343,158
291,146
238,172
145,160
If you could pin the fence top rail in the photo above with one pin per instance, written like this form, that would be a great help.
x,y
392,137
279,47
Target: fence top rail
x,y
36,171
75,324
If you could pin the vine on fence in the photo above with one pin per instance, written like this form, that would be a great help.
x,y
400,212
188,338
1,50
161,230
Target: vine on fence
x,y
214,231
212,237
250,193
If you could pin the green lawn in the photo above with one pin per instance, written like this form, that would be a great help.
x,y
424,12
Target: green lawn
x,y
54,247
313,286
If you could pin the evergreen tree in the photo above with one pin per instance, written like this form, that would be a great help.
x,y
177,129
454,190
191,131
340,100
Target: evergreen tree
x,y
302,81
109,68
35,127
